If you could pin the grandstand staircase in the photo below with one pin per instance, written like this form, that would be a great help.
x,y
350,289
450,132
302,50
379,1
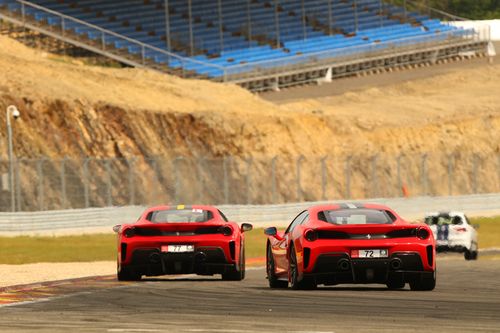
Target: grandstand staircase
x,y
256,43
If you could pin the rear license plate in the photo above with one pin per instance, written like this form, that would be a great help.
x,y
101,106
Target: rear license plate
x,y
177,248
370,253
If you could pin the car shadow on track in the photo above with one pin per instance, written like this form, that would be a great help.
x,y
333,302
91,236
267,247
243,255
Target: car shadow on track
x,y
173,279
333,289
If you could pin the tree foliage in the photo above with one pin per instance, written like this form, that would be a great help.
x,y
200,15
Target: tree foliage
x,y
472,9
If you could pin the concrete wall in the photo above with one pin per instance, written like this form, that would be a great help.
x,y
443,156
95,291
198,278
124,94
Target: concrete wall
x,y
79,221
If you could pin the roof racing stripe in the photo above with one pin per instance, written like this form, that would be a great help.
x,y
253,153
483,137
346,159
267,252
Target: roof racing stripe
x,y
351,206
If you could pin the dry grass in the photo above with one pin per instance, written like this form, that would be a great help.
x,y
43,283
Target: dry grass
x,y
24,250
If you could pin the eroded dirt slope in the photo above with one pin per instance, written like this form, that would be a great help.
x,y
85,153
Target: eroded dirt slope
x,y
75,110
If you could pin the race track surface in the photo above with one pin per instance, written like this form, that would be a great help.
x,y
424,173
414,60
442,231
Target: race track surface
x,y
466,299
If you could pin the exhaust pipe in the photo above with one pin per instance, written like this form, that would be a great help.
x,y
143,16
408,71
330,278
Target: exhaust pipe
x,y
154,258
343,264
396,264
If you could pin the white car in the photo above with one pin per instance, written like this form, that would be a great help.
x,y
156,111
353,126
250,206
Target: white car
x,y
453,233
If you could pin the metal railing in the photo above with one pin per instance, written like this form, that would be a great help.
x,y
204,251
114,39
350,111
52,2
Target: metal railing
x,y
45,184
238,73
345,55
80,32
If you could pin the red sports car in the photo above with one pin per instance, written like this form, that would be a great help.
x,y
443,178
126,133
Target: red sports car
x,y
351,243
181,240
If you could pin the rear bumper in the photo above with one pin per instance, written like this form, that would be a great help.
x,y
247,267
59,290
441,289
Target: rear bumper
x,y
451,248
336,268
204,261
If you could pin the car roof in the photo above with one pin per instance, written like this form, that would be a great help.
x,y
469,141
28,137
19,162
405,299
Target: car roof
x,y
348,205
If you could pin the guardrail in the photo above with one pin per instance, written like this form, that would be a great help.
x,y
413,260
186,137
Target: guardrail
x,y
102,219
101,43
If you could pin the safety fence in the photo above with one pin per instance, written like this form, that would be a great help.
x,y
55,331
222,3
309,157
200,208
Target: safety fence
x,y
102,219
48,184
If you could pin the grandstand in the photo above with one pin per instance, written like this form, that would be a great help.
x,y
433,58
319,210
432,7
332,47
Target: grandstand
x,y
259,44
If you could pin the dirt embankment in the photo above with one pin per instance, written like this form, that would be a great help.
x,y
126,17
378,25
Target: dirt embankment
x,y
74,110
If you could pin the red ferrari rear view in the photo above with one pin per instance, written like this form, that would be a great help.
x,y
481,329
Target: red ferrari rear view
x,y
351,243
181,240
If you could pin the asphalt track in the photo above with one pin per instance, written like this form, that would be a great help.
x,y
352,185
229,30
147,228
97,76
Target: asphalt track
x,y
466,299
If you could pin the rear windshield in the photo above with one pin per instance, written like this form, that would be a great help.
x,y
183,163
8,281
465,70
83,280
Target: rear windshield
x,y
180,215
443,219
356,216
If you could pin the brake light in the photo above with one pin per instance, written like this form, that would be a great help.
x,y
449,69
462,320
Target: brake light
x,y
129,232
422,233
461,229
310,235
226,230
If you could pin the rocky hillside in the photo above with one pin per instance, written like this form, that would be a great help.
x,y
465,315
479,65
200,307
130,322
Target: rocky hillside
x,y
73,110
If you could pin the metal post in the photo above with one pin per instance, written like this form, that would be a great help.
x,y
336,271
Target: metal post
x,y
86,182
167,26
450,174
63,183
356,15
18,185
374,177
63,26
323,178
249,181
304,32
221,27
201,179
348,177
225,171
177,184
380,13
330,17
273,179
475,158
11,111
299,189
277,23
191,38
41,192
400,181
109,197
131,181
249,23
424,174
405,10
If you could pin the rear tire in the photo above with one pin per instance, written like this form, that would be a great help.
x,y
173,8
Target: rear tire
x,y
293,270
470,255
124,274
425,283
234,274
395,284
273,280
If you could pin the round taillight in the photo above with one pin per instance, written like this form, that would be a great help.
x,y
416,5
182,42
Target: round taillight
x,y
129,232
311,235
226,230
422,233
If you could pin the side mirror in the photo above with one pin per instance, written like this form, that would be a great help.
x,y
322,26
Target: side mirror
x,y
246,227
117,228
271,231
476,226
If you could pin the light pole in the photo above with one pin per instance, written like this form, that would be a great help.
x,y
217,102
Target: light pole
x,y
12,111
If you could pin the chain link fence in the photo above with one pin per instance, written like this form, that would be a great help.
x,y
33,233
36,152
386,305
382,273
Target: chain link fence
x,y
49,184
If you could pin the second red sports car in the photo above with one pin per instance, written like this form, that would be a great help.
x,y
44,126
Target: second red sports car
x,y
181,240
351,243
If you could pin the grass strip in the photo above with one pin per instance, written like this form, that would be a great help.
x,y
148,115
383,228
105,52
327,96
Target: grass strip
x,y
85,248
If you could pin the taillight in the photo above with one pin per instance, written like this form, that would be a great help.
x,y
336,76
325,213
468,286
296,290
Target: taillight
x,y
311,235
226,230
461,229
129,232
422,233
